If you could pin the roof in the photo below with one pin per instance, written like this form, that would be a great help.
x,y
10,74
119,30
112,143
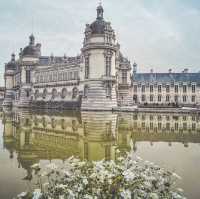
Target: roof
x,y
167,77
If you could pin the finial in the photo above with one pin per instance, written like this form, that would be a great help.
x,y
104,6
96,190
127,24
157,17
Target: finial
x,y
32,39
13,57
100,11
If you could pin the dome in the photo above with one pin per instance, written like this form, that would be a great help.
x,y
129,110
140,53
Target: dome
x,y
12,64
31,50
99,26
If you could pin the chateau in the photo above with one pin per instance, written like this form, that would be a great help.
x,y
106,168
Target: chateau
x,y
100,78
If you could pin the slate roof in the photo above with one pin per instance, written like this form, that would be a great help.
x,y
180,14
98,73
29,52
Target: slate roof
x,y
167,77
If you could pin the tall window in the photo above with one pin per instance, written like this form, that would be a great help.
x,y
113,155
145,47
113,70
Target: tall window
x,y
143,98
167,98
159,88
193,88
108,91
143,88
159,98
124,77
184,88
184,98
108,65
176,98
135,88
176,88
87,65
167,88
151,98
28,76
151,88
193,98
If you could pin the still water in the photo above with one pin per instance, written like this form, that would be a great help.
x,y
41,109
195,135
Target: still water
x,y
26,137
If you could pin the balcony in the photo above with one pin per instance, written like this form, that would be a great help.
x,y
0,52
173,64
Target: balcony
x,y
108,78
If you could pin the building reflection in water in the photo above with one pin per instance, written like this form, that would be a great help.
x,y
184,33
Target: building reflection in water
x,y
90,135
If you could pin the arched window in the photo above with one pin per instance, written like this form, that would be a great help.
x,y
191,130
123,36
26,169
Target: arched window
x,y
36,94
44,94
74,92
64,93
54,93
86,91
53,123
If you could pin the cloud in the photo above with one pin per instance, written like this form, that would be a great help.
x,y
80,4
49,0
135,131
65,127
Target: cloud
x,y
156,34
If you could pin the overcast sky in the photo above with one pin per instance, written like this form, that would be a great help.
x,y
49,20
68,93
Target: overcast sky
x,y
153,33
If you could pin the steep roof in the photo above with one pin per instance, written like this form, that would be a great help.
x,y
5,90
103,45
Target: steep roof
x,y
167,77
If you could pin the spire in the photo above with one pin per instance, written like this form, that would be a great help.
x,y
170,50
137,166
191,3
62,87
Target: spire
x,y
31,40
100,11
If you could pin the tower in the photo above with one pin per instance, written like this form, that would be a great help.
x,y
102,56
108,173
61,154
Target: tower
x,y
29,58
99,52
10,68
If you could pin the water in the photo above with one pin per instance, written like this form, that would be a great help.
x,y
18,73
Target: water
x,y
26,137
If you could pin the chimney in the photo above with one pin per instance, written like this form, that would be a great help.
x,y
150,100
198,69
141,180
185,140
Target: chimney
x,y
170,70
151,71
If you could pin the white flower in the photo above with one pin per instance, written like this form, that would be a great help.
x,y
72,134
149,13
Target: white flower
x,y
23,194
126,194
37,194
154,196
85,181
35,166
52,166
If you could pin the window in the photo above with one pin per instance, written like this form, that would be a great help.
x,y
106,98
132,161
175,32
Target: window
x,y
176,88
28,76
184,98
193,88
108,91
44,93
167,88
135,88
54,93
124,77
151,88
176,98
86,91
64,93
74,92
143,88
87,66
36,94
184,88
135,98
143,98
159,98
167,98
193,98
108,65
151,98
159,88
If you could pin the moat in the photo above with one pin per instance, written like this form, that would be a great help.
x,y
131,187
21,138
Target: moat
x,y
27,137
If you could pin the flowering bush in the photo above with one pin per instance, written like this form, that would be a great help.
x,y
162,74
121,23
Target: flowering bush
x,y
127,177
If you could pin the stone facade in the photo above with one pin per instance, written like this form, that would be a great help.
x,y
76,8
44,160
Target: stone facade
x,y
99,78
